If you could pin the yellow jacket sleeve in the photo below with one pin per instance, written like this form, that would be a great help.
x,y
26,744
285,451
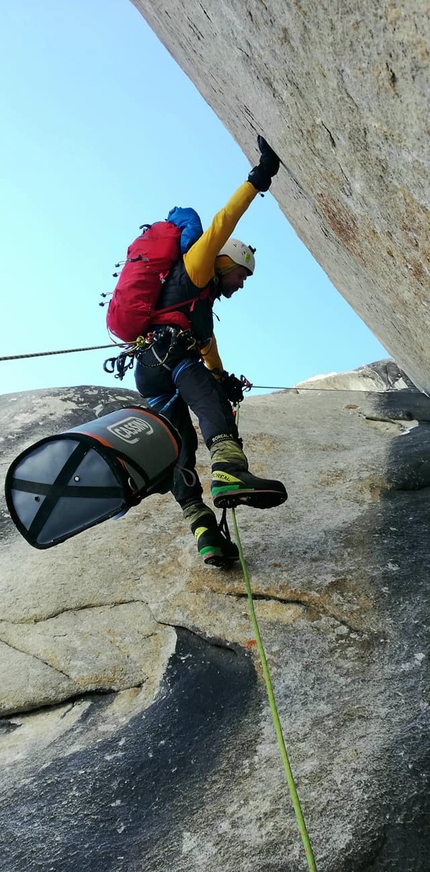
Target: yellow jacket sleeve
x,y
199,261
211,357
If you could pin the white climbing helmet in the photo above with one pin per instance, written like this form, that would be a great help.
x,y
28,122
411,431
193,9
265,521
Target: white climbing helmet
x,y
240,253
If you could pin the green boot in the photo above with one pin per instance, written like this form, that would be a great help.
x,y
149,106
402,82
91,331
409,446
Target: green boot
x,y
232,484
214,548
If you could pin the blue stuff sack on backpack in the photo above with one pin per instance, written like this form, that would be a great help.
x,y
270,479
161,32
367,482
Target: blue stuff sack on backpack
x,y
189,222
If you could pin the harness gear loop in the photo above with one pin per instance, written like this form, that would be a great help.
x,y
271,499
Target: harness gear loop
x,y
182,470
177,335
146,343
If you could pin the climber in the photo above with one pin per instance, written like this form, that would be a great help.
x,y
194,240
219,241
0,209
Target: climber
x,y
171,376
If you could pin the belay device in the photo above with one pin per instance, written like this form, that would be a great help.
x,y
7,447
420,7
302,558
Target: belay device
x,y
64,484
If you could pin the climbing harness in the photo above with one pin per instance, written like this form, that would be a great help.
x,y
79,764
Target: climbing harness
x,y
146,343
271,697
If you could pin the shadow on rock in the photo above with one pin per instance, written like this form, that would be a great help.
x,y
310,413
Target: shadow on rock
x,y
116,806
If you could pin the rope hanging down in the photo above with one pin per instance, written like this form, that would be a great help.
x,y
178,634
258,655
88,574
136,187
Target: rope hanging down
x,y
275,716
271,697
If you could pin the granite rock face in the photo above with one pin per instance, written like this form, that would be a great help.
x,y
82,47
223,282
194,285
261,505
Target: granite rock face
x,y
342,92
135,730
383,375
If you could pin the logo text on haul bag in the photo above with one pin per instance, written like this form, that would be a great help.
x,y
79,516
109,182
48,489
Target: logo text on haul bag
x,y
130,428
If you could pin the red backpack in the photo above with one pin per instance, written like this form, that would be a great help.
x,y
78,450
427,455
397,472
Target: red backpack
x,y
149,260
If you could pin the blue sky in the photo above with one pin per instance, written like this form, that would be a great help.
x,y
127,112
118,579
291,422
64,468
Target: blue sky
x,y
102,132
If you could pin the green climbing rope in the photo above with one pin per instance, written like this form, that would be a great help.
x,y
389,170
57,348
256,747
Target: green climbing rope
x,y
277,724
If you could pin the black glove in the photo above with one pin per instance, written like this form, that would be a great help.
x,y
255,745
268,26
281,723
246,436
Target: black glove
x,y
232,387
261,175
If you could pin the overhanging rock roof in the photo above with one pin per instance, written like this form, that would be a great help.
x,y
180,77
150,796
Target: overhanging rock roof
x,y
342,92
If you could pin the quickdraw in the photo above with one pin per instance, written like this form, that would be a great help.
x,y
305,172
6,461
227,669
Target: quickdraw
x,y
246,385
120,363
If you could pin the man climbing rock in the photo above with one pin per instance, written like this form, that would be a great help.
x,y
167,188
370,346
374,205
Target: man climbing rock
x,y
180,370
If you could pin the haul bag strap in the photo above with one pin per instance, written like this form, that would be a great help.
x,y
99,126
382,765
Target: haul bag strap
x,y
59,490
59,484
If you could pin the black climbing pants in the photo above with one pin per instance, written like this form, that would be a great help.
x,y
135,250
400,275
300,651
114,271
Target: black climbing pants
x,y
173,380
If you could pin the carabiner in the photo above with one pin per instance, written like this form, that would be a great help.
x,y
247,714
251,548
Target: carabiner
x,y
109,365
246,385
